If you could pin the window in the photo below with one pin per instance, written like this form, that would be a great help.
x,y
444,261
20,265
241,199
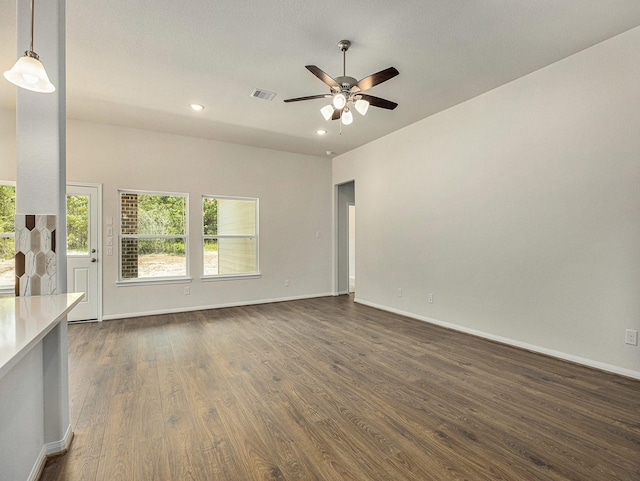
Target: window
x,y
153,235
7,223
230,232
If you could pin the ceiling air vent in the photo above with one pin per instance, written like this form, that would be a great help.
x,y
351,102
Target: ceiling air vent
x,y
263,94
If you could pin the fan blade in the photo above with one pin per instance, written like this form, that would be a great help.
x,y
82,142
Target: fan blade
x,y
337,113
310,97
377,78
323,76
378,102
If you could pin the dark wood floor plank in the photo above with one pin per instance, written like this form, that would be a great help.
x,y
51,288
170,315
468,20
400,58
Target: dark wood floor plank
x,y
325,389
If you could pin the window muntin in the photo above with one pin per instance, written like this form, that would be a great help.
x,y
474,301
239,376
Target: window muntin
x,y
7,232
153,235
230,236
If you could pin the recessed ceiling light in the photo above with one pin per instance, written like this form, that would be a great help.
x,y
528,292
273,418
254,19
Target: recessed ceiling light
x,y
321,131
196,106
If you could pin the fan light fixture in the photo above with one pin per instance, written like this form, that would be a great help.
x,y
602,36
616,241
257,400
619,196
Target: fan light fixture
x,y
362,106
327,112
339,100
347,93
346,117
28,72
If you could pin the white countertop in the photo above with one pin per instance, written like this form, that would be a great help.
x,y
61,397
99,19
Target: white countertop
x,y
25,321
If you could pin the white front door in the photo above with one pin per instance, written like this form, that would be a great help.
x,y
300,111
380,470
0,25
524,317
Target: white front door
x,y
82,249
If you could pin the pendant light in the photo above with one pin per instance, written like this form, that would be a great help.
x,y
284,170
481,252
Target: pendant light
x,y
28,72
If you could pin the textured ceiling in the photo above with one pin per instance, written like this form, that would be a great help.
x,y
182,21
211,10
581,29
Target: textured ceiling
x,y
140,63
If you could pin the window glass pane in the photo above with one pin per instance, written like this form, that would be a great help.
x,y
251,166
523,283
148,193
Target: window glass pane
x,y
158,258
7,227
77,225
210,257
210,216
7,208
236,256
7,262
150,214
236,217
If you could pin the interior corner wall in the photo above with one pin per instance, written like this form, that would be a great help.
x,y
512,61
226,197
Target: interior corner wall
x,y
517,209
294,193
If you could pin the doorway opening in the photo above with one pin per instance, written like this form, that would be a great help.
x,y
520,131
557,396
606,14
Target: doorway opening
x,y
345,253
352,248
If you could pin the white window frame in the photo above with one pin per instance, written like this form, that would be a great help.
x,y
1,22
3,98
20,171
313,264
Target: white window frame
x,y
221,277
8,289
153,280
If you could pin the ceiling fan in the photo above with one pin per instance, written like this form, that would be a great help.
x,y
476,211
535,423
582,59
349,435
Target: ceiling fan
x,y
346,92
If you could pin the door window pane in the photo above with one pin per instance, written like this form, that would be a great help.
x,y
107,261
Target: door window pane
x,y
77,225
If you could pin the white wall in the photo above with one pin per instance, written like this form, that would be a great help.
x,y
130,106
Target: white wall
x,y
519,210
295,203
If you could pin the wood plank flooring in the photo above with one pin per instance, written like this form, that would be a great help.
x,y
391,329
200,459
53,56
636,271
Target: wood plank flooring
x,y
325,389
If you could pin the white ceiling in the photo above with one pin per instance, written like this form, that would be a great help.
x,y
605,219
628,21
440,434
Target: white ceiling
x,y
140,63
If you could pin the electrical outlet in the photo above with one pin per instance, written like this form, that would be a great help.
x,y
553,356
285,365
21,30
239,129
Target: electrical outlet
x,y
631,337
187,291
286,283
430,298
399,292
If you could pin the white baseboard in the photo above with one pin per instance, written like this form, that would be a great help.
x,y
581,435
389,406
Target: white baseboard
x,y
47,450
213,306
57,447
38,466
511,342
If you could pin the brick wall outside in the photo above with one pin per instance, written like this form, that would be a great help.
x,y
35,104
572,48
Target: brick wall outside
x,y
129,225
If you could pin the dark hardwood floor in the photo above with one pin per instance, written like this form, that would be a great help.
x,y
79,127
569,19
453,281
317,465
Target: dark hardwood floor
x,y
326,389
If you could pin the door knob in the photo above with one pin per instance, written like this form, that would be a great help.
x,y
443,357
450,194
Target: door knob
x,y
93,251
93,259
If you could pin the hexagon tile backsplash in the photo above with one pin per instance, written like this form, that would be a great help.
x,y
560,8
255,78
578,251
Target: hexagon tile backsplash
x,y
35,241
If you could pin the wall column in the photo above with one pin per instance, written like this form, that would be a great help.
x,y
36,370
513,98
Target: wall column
x,y
41,126
41,188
